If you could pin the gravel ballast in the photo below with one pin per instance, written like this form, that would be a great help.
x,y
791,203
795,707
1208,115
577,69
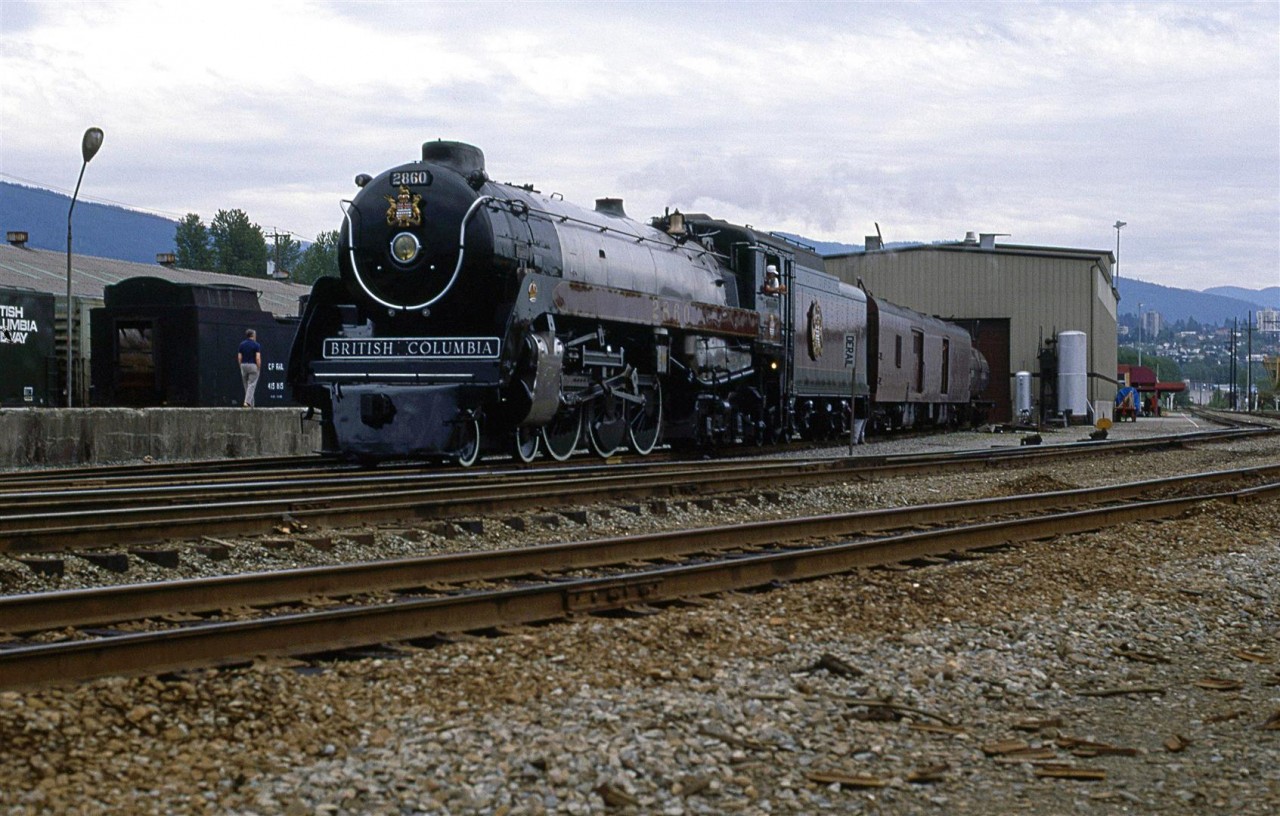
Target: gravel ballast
x,y
1128,671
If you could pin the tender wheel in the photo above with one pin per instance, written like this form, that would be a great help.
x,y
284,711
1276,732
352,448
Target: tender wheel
x,y
468,436
644,426
527,442
607,425
561,434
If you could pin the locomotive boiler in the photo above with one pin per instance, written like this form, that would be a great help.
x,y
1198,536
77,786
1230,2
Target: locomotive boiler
x,y
472,316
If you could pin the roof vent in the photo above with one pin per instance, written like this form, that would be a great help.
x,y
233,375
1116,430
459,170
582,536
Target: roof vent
x,y
971,237
16,237
166,259
610,206
872,243
987,240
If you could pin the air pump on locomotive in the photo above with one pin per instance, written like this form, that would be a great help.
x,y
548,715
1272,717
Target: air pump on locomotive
x,y
473,316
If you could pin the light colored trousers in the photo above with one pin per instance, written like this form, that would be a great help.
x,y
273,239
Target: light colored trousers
x,y
249,375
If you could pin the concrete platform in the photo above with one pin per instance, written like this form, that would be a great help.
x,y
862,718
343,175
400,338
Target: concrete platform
x,y
52,437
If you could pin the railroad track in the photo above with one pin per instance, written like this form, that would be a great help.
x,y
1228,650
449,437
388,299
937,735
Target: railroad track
x,y
417,598
1239,419
68,517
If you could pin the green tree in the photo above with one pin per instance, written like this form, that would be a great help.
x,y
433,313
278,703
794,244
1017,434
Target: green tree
x,y
191,241
319,259
1166,368
239,247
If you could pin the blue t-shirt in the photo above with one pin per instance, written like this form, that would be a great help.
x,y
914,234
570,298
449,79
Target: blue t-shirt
x,y
249,351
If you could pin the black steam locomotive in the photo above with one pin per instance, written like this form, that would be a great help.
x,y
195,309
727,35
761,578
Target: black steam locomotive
x,y
473,316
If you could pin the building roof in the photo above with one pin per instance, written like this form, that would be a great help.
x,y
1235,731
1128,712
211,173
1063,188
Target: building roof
x,y
1143,378
992,248
45,271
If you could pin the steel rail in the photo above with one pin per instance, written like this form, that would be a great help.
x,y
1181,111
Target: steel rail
x,y
175,476
314,632
49,530
45,531
101,474
82,607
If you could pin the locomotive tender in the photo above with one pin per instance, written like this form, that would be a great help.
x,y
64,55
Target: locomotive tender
x,y
473,316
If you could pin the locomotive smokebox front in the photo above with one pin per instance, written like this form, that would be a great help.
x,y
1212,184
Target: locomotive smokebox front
x,y
412,233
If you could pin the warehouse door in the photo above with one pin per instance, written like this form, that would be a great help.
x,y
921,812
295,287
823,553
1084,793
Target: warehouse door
x,y
991,337
137,374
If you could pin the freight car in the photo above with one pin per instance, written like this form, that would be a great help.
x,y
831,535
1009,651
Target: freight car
x,y
473,316
156,342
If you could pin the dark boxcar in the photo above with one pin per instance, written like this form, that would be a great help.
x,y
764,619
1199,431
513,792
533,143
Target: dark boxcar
x,y
161,343
28,369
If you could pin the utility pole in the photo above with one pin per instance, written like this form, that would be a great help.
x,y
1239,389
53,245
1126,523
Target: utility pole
x,y
1248,365
1235,327
275,238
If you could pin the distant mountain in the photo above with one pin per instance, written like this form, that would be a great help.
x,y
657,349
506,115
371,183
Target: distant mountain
x,y
1181,304
100,230
1269,297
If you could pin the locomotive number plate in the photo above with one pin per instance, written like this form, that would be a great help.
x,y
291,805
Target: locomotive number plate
x,y
411,178
412,348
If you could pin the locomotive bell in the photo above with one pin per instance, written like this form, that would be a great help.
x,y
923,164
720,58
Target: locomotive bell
x,y
676,224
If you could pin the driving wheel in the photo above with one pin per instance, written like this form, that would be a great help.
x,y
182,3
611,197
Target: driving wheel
x,y
561,434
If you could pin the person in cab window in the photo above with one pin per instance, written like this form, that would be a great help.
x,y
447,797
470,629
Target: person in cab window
x,y
773,284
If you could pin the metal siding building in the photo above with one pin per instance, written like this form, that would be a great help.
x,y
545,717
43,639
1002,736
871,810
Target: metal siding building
x,y
46,271
1040,291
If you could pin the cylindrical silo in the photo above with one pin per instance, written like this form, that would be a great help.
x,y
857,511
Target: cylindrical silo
x,y
1073,373
1022,395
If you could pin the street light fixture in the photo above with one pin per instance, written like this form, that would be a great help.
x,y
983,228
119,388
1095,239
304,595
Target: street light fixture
x,y
88,149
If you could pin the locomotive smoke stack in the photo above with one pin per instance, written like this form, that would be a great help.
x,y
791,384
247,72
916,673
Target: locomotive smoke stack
x,y
464,159
610,206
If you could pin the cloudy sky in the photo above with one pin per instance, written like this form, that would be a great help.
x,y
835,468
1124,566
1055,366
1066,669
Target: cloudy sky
x,y
1047,121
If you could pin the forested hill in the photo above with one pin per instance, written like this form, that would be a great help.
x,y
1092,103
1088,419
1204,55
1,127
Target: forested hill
x,y
100,230
1184,304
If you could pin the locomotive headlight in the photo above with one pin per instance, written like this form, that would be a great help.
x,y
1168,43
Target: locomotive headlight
x,y
405,247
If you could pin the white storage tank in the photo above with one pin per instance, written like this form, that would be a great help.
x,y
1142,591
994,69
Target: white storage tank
x,y
1073,374
1022,395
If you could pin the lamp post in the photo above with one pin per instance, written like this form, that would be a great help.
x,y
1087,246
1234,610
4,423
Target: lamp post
x,y
1119,224
1139,330
88,149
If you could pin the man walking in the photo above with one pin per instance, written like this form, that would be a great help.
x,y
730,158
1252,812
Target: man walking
x,y
250,357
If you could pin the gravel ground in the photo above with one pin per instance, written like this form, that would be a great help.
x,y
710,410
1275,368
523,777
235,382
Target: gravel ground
x,y
1129,671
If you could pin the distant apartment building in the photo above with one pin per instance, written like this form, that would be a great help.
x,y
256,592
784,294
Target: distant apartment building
x,y
1269,321
1152,323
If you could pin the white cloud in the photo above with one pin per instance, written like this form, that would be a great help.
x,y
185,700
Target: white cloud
x,y
1045,120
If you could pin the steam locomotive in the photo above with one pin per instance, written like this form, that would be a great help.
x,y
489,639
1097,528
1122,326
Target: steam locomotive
x,y
474,317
